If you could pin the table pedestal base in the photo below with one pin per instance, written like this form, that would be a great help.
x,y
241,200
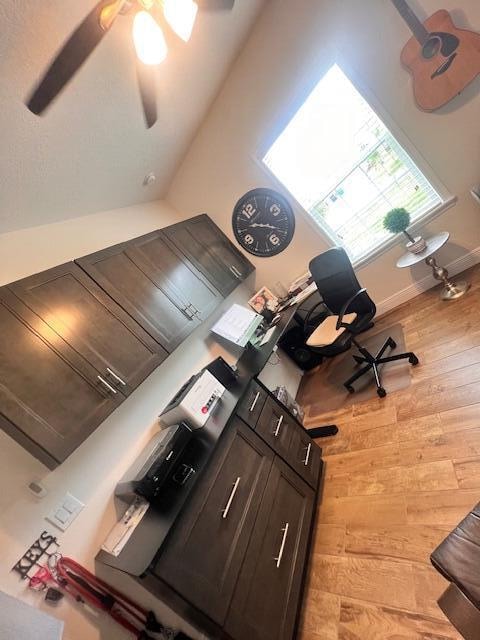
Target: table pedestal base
x,y
451,290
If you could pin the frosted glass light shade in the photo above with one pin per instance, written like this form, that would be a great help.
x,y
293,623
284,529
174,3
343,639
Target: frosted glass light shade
x,y
148,39
181,15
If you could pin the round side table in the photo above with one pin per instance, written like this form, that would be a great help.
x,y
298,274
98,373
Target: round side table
x,y
451,290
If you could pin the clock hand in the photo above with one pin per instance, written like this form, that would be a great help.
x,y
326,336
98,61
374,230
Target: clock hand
x,y
264,226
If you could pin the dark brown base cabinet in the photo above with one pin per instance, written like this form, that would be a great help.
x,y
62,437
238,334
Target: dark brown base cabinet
x,y
265,602
77,339
202,559
234,562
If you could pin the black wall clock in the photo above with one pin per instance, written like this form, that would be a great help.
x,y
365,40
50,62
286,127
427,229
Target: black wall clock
x,y
263,222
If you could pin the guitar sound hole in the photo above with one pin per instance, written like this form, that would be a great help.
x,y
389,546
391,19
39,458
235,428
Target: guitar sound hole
x,y
431,47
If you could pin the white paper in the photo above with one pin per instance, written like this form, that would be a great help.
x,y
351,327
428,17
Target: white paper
x,y
122,531
235,323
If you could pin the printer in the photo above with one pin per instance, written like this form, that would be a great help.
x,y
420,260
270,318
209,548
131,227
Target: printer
x,y
159,464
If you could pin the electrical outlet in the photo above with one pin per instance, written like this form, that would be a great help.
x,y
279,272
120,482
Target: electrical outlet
x,y
66,512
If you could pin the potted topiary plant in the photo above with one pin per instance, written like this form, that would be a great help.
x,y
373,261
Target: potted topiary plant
x,y
397,221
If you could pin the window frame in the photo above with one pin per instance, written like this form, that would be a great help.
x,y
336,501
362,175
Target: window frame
x,y
284,118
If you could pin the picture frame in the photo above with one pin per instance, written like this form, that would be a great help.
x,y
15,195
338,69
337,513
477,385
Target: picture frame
x,y
263,300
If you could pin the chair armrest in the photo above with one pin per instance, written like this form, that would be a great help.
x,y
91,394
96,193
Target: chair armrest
x,y
461,612
344,309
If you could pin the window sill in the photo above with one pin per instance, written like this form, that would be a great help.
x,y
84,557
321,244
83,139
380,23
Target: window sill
x,y
399,238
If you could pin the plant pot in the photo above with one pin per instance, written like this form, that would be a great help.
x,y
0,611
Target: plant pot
x,y
417,246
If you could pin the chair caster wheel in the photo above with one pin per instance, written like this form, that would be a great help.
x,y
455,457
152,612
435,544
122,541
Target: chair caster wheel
x,y
413,360
381,392
349,388
393,344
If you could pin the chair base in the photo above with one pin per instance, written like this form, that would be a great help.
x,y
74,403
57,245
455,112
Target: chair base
x,y
372,362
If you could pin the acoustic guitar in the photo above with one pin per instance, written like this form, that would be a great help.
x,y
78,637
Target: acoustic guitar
x,y
442,59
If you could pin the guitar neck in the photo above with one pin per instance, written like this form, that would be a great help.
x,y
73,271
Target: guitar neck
x,y
416,26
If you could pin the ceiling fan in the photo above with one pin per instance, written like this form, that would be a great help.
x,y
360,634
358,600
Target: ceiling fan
x,y
148,39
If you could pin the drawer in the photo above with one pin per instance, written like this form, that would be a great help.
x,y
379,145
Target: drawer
x,y
276,427
252,403
305,456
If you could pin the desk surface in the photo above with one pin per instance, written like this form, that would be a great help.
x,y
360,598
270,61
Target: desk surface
x,y
143,545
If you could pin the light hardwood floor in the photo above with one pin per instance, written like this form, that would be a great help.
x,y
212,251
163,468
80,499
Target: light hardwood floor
x,y
400,474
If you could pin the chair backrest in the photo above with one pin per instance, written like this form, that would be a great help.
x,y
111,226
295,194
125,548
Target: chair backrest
x,y
336,282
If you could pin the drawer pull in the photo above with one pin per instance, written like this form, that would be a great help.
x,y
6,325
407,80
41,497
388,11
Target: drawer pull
x,y
277,428
307,457
109,386
235,271
195,311
230,499
187,313
278,559
117,378
255,400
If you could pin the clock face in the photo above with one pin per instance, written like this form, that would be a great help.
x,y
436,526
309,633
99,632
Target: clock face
x,y
263,222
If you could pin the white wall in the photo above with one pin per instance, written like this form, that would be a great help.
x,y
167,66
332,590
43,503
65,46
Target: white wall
x,y
96,466
34,249
291,46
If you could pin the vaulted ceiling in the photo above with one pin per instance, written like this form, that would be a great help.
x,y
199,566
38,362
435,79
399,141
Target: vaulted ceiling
x,y
91,151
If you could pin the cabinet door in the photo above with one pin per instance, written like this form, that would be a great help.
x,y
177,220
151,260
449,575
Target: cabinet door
x,y
81,313
50,400
190,286
305,456
204,552
266,598
276,427
145,290
211,252
252,403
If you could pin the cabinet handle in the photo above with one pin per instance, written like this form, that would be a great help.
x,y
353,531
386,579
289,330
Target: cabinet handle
x,y
235,271
277,428
196,312
278,559
307,457
255,400
186,312
117,378
230,499
109,386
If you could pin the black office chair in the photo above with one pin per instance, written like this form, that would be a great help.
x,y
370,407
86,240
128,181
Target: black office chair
x,y
352,312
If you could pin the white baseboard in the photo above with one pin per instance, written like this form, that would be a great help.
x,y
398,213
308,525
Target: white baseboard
x,y
456,266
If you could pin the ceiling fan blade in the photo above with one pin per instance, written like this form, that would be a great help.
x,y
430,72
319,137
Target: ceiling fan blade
x,y
70,58
147,87
213,5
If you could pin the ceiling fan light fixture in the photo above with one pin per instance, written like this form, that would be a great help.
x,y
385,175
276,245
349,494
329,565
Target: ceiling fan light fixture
x,y
180,15
148,39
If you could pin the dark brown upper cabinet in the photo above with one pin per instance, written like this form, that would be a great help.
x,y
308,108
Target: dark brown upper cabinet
x,y
163,293
81,313
50,397
200,240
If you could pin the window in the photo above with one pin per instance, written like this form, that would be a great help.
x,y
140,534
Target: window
x,y
341,163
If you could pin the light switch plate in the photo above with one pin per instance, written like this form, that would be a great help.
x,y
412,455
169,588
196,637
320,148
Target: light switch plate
x,y
65,513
